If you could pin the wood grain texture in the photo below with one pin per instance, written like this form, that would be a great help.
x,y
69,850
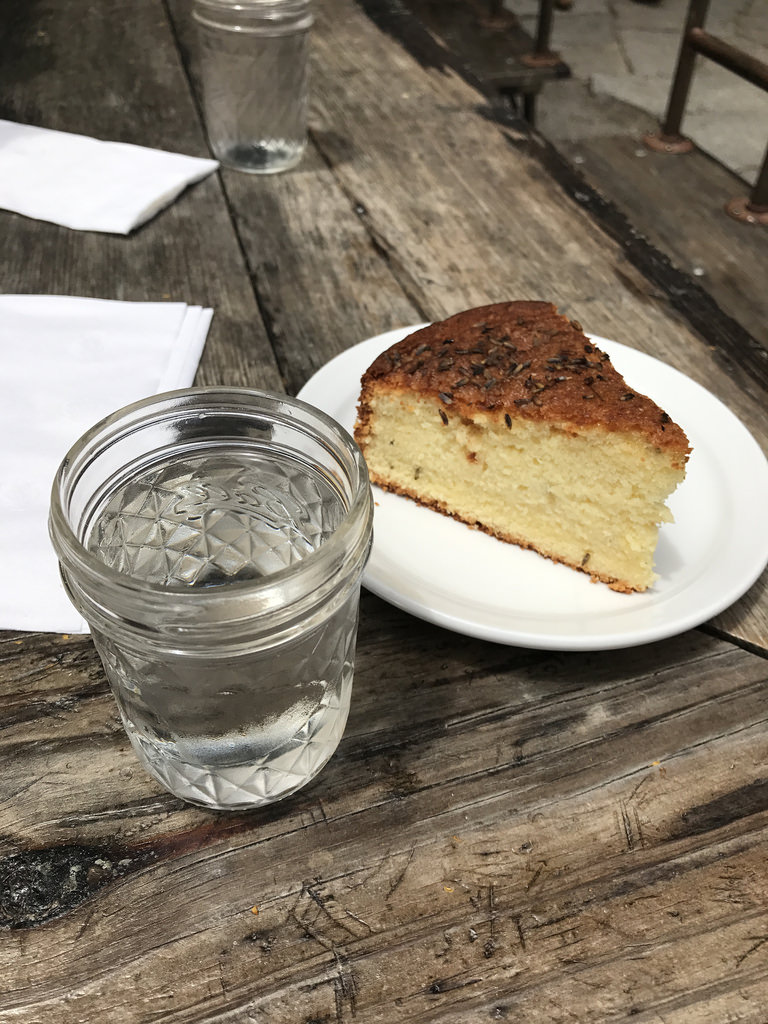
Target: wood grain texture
x,y
676,203
477,205
189,252
488,46
747,619
503,833
321,283
498,828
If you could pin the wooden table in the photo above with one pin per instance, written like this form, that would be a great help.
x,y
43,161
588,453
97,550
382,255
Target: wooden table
x,y
503,834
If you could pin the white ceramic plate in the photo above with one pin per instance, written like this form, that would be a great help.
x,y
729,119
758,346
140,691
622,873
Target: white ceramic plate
x,y
466,581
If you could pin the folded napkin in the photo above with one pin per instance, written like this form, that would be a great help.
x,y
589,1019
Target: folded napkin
x,y
65,363
88,184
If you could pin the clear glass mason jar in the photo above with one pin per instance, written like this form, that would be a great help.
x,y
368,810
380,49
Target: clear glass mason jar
x,y
254,66
214,540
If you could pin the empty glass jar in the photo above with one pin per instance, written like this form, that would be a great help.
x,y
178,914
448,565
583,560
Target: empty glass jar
x,y
254,66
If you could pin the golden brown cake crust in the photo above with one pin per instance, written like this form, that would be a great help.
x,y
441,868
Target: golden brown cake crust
x,y
524,359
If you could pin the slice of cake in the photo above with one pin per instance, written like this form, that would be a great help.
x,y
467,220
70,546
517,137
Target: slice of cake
x,y
508,418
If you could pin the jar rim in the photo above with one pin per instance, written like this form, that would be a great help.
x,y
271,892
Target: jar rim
x,y
255,4
319,564
263,8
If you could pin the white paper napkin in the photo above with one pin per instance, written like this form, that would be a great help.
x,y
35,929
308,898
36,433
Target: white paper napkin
x,y
88,184
65,363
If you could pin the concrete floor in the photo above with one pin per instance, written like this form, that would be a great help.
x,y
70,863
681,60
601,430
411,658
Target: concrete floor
x,y
622,56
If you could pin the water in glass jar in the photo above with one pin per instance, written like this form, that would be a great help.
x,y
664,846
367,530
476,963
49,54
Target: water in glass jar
x,y
242,729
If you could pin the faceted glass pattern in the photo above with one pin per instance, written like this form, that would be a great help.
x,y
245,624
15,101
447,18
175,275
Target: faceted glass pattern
x,y
244,733
215,519
229,730
214,539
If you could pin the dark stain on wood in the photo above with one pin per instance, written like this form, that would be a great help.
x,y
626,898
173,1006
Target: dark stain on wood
x,y
25,53
39,885
397,22
441,985
729,807
459,35
402,781
28,708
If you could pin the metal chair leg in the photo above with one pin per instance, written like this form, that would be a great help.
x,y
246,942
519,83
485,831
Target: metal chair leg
x,y
542,56
752,209
669,139
529,108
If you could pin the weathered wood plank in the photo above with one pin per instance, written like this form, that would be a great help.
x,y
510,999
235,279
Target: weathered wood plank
x,y
430,921
482,686
502,832
554,784
487,46
747,619
676,202
467,217
485,945
321,283
189,252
